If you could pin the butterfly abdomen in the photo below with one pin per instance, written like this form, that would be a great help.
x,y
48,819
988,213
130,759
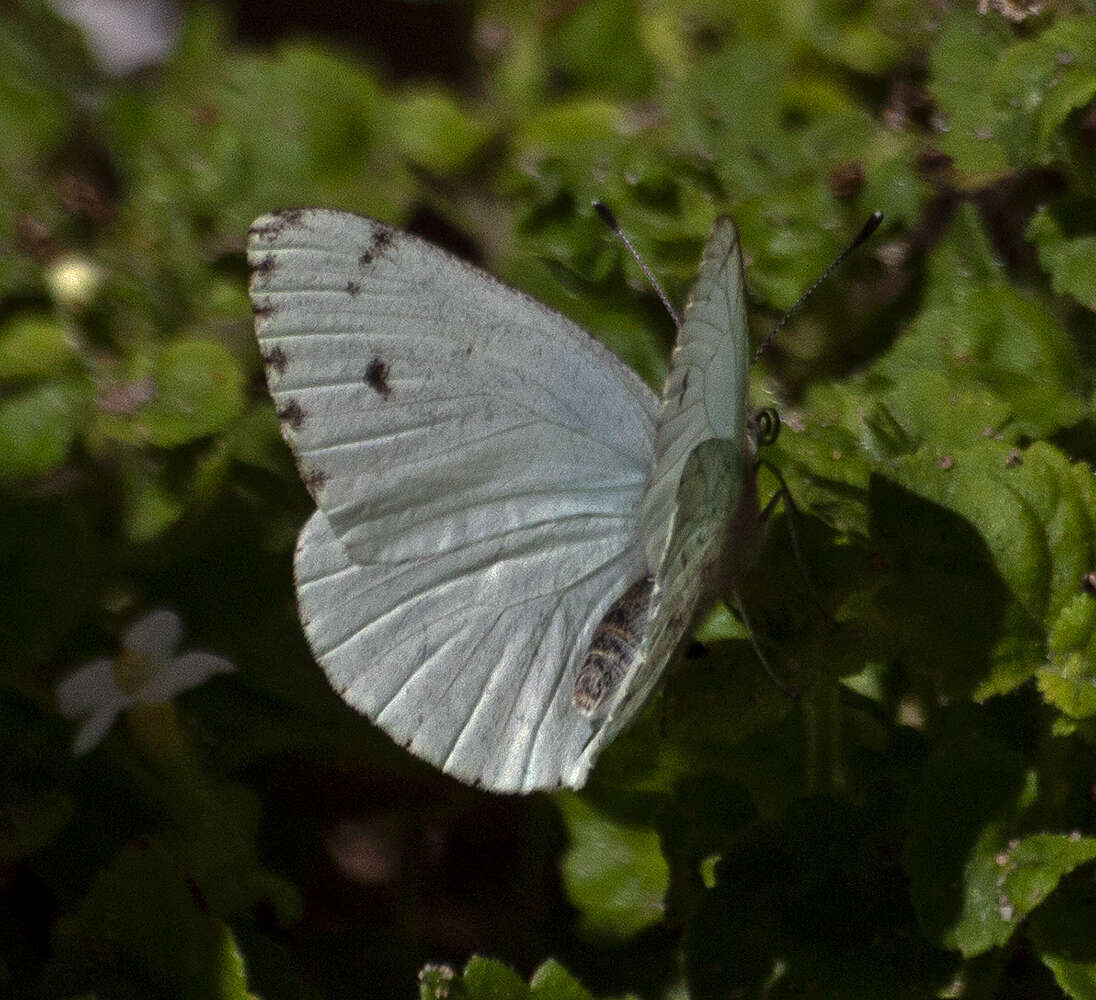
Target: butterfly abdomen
x,y
613,647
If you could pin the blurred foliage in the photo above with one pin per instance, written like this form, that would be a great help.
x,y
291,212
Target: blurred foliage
x,y
920,823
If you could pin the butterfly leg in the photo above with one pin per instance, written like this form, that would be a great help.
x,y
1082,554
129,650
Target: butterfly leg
x,y
790,691
791,509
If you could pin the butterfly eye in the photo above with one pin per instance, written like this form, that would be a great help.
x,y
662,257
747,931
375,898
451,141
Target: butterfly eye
x,y
768,425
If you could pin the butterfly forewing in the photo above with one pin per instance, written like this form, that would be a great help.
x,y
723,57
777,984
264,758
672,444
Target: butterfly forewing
x,y
478,463
401,372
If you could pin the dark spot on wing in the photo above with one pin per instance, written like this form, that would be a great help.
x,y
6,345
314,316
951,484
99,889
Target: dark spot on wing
x,y
684,386
277,359
280,221
468,351
376,377
477,782
292,414
314,481
263,308
377,245
354,287
265,267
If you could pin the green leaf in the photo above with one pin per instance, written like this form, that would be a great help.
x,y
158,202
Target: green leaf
x,y
578,38
152,503
962,816
1032,512
1065,234
980,359
1061,933
489,979
1043,80
614,874
934,596
1069,683
1034,516
1029,870
199,390
856,35
789,237
38,427
891,182
45,66
219,140
196,390
566,147
435,132
551,981
213,830
144,922
963,57
1008,104
31,345
733,97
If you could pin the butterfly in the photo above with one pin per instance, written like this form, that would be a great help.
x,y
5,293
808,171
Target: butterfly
x,y
512,533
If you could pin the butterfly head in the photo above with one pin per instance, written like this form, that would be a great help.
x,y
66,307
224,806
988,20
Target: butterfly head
x,y
762,428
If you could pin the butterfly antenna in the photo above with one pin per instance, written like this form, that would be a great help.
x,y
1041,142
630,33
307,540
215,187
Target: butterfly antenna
x,y
866,230
609,219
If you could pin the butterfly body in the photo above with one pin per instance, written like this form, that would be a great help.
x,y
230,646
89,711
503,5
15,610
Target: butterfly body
x,y
613,648
493,487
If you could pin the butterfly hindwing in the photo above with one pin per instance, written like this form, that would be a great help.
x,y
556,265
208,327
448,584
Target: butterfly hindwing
x,y
701,495
705,392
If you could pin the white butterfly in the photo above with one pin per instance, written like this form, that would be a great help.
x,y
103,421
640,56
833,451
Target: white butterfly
x,y
492,485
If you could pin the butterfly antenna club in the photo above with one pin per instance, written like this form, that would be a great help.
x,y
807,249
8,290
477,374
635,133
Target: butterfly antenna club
x,y
609,219
866,230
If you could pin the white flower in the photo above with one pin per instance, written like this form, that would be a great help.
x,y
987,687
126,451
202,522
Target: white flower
x,y
124,35
146,671
73,281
